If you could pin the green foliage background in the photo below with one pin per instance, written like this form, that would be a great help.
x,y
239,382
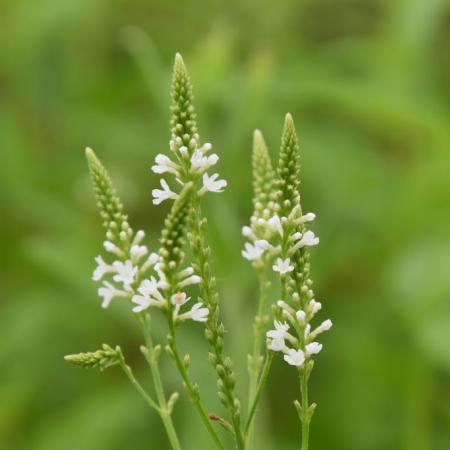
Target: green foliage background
x,y
368,84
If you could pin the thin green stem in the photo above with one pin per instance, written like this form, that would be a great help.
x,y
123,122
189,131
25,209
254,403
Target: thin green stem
x,y
157,382
261,382
305,414
192,389
129,373
255,364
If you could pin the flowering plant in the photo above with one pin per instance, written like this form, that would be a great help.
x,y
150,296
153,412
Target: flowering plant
x,y
278,242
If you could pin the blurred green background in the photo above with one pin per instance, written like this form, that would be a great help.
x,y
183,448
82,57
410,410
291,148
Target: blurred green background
x,y
368,83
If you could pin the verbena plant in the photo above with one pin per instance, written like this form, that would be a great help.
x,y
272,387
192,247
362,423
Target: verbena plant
x,y
157,283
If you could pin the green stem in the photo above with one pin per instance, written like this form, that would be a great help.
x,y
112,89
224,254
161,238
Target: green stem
x,y
255,366
129,373
157,382
192,390
258,391
305,415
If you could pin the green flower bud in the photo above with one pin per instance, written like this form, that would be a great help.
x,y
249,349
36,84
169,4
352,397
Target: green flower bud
x,y
100,359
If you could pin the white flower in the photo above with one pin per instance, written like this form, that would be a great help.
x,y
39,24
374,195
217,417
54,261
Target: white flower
x,y
142,302
247,231
151,261
280,331
324,326
252,252
101,269
149,295
193,279
294,357
301,315
160,195
179,298
138,251
125,273
185,273
206,147
197,313
107,292
277,345
165,164
315,306
309,217
275,224
138,237
148,287
112,248
283,266
262,244
307,239
184,151
313,348
212,184
200,163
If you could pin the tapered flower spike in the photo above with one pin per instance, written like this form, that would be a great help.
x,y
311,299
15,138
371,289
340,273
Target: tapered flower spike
x,y
288,168
183,120
100,359
263,176
109,204
173,234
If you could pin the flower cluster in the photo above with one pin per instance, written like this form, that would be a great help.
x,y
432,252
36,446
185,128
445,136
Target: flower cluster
x,y
127,281
267,234
191,159
303,346
127,275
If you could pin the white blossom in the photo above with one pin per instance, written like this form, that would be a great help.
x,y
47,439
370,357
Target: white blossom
x,y
301,316
165,164
307,239
161,195
142,302
315,306
247,231
112,248
283,266
149,295
324,326
138,237
212,184
313,348
138,251
280,331
252,252
179,298
101,269
277,345
308,217
125,273
200,163
108,292
193,279
198,313
275,224
294,357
